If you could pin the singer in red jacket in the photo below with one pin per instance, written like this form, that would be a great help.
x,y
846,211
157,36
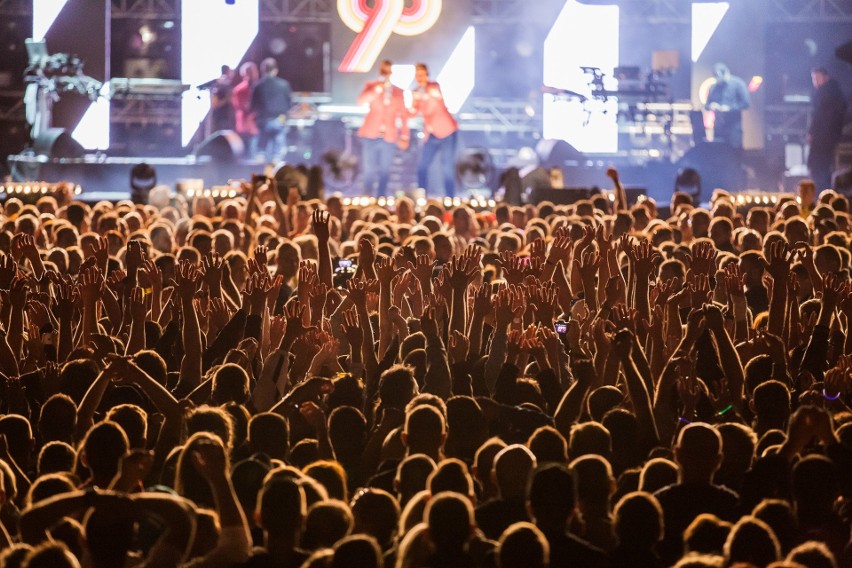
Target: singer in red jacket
x,y
440,128
385,127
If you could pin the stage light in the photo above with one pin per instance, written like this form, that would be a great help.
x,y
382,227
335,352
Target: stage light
x,y
566,50
706,17
458,76
755,83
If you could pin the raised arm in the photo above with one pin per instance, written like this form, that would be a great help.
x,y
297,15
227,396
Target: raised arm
x,y
320,226
187,280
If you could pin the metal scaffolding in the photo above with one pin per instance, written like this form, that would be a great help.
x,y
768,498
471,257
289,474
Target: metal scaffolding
x,y
146,9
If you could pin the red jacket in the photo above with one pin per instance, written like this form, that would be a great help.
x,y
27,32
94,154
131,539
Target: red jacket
x,y
437,120
387,118
241,99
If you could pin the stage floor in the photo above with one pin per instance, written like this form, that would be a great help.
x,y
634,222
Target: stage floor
x,y
103,177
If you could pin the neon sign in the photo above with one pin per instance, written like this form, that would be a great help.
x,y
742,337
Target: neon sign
x,y
374,26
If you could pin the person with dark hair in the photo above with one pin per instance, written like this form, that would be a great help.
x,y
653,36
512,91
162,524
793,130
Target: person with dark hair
x,y
825,130
551,498
440,128
270,103
728,98
385,127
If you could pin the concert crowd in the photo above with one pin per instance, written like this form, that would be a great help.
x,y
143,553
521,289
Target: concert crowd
x,y
276,381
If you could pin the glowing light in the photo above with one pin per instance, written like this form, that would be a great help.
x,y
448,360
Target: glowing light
x,y
704,89
44,14
402,75
755,83
93,129
593,127
374,26
458,76
706,17
204,49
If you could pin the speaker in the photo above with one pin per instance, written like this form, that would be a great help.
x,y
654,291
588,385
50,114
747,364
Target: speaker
x,y
557,153
720,167
222,146
565,196
57,143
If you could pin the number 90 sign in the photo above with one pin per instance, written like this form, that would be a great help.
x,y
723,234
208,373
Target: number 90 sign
x,y
374,26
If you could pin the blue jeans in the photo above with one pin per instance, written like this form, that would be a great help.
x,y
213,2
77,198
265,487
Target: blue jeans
x,y
272,134
446,147
377,158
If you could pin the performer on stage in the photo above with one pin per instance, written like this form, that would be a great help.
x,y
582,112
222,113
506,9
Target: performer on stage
x,y
270,102
222,114
246,126
385,127
440,128
829,110
728,98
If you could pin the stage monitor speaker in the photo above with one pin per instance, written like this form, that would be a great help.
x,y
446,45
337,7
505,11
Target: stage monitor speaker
x,y
222,146
557,153
719,165
567,196
57,143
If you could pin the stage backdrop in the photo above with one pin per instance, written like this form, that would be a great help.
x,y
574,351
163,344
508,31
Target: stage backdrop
x,y
434,32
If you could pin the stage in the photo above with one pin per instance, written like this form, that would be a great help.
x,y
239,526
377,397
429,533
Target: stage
x,y
108,178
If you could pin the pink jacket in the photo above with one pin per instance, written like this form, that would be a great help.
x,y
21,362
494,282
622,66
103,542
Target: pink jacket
x,y
388,121
429,103
241,99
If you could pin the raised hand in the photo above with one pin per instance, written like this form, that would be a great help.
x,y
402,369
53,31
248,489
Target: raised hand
x,y
429,322
386,271
261,256
211,269
778,260
8,271
832,290
513,267
254,294
150,276
24,246
458,346
538,249
319,222
352,330
209,460
100,252
138,309
507,307
313,415
460,272
405,257
587,265
647,257
66,299
714,318
116,281
91,285
134,257
186,281
560,250
422,269
702,261
688,389
366,253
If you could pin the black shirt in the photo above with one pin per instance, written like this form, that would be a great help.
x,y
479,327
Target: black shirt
x,y
271,97
567,550
682,503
